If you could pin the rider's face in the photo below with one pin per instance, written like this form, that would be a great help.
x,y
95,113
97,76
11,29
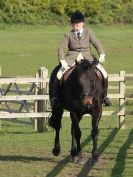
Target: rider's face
x,y
78,26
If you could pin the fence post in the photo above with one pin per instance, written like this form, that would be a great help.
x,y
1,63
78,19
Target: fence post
x,y
42,125
122,101
35,101
0,94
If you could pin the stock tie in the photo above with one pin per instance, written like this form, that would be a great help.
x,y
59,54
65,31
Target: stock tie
x,y
79,35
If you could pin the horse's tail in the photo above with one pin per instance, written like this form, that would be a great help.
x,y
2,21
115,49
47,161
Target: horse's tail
x,y
55,118
52,79
56,115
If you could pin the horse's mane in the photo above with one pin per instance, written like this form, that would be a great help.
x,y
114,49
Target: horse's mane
x,y
85,65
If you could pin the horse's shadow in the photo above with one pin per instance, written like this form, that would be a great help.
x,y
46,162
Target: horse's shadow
x,y
88,165
85,169
26,159
56,170
122,156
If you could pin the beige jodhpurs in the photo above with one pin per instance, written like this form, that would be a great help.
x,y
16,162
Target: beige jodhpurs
x,y
80,57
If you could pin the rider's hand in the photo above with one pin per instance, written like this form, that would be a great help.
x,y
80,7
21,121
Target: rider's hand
x,y
64,64
102,58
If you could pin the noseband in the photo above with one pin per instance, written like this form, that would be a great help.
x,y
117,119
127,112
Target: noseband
x,y
93,85
88,98
82,95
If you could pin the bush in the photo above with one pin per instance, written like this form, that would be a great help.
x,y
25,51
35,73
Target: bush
x,y
59,11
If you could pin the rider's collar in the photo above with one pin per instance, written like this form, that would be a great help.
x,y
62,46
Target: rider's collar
x,y
77,31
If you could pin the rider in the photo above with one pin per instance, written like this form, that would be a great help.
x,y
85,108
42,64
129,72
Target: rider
x,y
76,45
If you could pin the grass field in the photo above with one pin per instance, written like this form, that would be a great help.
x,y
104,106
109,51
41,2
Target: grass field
x,y
26,153
24,49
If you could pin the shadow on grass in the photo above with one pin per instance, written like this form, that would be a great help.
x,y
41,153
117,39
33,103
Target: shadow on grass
x,y
87,166
19,121
20,158
121,157
56,170
17,133
25,159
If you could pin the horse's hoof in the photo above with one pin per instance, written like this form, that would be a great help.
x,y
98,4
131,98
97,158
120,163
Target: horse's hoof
x,y
80,159
95,157
94,160
56,151
75,160
80,162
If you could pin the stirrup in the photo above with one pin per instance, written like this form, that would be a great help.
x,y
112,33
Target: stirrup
x,y
107,101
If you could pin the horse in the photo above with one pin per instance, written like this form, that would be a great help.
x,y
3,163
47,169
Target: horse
x,y
81,92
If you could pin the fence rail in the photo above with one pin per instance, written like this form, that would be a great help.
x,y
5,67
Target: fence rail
x,y
37,96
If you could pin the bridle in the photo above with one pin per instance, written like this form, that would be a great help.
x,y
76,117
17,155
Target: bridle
x,y
87,98
87,94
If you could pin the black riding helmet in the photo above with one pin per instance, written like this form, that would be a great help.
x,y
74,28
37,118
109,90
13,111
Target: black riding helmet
x,y
77,17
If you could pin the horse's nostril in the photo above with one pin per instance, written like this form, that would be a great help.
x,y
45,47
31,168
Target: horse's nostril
x,y
82,96
89,107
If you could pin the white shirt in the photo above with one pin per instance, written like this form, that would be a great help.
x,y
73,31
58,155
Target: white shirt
x,y
79,31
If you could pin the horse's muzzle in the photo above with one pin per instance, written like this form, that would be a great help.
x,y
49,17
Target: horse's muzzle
x,y
87,101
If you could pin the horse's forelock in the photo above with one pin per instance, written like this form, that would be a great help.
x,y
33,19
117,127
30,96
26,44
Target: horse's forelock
x,y
85,65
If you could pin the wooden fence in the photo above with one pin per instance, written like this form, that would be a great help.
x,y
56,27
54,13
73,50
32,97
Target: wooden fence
x,y
34,102
26,104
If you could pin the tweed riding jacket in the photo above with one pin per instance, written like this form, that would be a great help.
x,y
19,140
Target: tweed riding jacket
x,y
71,46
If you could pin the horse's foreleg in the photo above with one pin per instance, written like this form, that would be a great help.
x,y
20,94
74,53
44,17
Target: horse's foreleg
x,y
76,135
94,133
76,152
74,144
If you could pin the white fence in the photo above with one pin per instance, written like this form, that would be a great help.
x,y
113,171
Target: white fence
x,y
37,98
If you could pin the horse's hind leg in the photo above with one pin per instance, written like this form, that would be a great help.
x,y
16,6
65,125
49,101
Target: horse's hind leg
x,y
56,149
57,116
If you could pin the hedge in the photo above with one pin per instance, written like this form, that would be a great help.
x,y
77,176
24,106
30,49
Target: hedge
x,y
59,11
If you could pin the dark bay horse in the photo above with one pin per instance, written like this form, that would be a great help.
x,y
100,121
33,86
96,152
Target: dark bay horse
x,y
81,92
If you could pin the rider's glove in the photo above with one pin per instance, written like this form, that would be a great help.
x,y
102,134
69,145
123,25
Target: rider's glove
x,y
102,58
64,64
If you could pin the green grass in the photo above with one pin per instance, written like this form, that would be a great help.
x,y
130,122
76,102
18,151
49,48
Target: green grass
x,y
26,153
24,49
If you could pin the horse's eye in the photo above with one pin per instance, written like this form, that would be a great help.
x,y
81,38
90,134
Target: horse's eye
x,y
92,83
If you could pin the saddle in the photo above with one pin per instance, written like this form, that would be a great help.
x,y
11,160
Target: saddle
x,y
70,70
99,75
67,73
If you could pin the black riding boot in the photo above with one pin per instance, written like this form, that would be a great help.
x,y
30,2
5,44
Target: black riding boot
x,y
106,100
55,98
